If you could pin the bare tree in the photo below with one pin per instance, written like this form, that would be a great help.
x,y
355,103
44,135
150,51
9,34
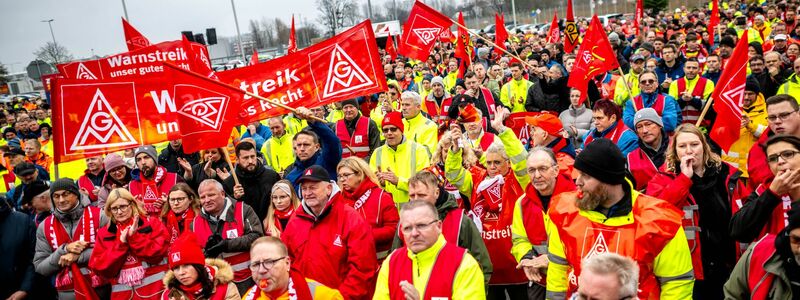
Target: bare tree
x,y
282,31
255,32
334,14
53,53
3,73
269,32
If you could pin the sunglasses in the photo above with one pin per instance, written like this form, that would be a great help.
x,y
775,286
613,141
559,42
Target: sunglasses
x,y
650,81
390,129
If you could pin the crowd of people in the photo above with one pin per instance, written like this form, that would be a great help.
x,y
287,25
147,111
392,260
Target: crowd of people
x,y
428,190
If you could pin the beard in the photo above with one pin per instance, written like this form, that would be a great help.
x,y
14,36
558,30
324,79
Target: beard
x,y
147,171
593,199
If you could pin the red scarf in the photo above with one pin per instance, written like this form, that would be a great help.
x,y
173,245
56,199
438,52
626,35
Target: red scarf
x,y
283,215
174,221
359,196
195,290
132,270
149,198
86,232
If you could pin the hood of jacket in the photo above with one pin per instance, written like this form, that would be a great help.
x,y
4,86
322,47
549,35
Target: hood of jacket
x,y
223,274
307,213
445,203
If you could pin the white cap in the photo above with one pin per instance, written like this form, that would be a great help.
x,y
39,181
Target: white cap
x,y
780,37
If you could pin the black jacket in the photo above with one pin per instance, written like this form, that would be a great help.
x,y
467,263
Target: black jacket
x,y
168,158
198,175
17,246
257,187
747,223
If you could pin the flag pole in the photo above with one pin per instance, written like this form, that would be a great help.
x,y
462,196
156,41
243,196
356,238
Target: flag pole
x,y
238,90
705,110
230,165
627,85
524,62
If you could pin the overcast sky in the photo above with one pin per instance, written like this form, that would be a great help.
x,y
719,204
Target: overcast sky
x,y
95,24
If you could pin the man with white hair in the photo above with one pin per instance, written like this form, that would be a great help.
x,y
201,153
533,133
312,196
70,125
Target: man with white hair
x,y
608,276
418,128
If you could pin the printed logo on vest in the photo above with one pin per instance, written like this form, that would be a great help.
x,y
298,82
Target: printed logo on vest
x,y
358,138
149,194
338,241
232,234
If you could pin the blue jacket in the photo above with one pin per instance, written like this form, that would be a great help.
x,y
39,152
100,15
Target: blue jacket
x,y
627,142
675,72
328,155
262,134
671,116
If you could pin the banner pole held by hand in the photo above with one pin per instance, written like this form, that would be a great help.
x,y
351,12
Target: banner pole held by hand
x,y
230,165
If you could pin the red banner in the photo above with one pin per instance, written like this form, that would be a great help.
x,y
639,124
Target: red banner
x,y
93,117
554,34
500,32
133,38
637,15
342,67
390,49
134,64
728,97
594,58
421,30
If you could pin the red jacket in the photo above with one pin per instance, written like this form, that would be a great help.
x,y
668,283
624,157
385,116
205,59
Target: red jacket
x,y
757,167
377,208
149,245
336,248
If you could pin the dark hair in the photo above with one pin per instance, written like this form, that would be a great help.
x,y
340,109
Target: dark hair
x,y
308,132
608,108
691,59
786,138
671,46
756,57
469,74
244,147
783,98
515,64
202,277
691,36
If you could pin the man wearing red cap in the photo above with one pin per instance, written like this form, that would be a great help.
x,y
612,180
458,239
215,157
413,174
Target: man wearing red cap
x,y
546,131
329,241
471,118
493,200
398,159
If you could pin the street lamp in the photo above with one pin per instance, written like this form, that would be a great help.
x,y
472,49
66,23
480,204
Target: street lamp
x,y
238,34
50,24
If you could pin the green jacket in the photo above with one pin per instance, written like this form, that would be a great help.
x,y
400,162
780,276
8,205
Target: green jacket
x,y
469,237
737,286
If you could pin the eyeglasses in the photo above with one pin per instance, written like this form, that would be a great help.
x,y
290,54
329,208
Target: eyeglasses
x,y
267,264
786,155
418,227
649,81
120,208
782,116
541,170
390,129
177,199
346,175
118,169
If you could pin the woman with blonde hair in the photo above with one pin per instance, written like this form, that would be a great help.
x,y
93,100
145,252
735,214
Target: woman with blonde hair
x,y
361,190
469,161
284,201
212,165
180,207
697,181
131,250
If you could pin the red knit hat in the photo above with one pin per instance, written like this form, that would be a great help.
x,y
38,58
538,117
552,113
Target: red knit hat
x,y
394,118
185,251
547,122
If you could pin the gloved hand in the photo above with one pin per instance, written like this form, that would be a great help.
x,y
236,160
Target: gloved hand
x,y
214,246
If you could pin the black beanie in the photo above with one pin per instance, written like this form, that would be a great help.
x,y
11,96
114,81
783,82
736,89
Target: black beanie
x,y
752,85
63,184
34,189
602,160
352,102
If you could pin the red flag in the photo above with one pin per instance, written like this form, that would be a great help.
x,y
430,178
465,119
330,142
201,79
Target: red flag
x,y
728,96
638,15
463,47
714,21
342,67
423,27
554,34
83,287
390,47
595,57
570,30
292,40
133,38
500,32
254,57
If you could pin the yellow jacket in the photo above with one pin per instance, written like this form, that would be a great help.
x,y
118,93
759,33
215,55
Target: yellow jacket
x,y
467,284
294,124
462,179
748,135
450,81
791,87
520,244
690,83
621,94
513,90
318,292
405,160
278,152
334,116
674,261
423,131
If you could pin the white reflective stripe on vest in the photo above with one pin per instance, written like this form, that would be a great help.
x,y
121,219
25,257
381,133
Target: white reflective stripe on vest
x,y
236,267
356,149
157,277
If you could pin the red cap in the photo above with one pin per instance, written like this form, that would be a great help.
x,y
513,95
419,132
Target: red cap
x,y
468,114
394,118
185,251
547,122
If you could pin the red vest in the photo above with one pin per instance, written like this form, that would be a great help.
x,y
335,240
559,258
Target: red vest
x,y
64,281
641,167
655,224
438,113
658,105
239,261
85,183
164,181
487,96
612,135
440,282
759,280
451,226
780,215
486,140
689,113
150,288
359,142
